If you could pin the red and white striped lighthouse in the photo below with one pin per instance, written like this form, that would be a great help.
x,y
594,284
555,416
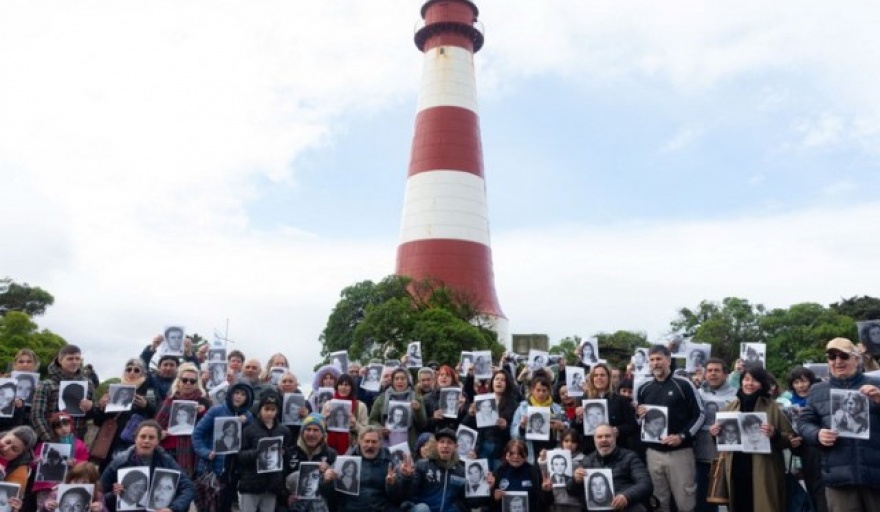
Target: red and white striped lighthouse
x,y
445,226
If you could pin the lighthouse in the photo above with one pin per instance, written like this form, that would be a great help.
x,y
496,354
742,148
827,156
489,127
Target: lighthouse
x,y
445,225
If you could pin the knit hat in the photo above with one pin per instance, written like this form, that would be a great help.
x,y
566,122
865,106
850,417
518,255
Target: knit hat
x,y
270,398
314,419
424,437
26,435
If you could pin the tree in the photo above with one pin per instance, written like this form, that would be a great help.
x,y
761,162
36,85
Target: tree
x,y
18,331
566,348
375,321
724,326
618,347
858,308
798,335
31,300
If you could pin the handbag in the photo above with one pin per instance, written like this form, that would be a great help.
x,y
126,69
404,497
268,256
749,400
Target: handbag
x,y
127,434
104,440
718,492
798,498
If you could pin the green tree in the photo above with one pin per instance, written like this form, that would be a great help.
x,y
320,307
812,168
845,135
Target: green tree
x,y
618,347
723,325
798,334
858,308
566,348
31,300
18,331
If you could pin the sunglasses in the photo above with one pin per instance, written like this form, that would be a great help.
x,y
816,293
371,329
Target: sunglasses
x,y
132,369
188,381
843,356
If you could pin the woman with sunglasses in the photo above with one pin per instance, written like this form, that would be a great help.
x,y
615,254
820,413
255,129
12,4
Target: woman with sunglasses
x,y
516,474
492,439
134,374
187,386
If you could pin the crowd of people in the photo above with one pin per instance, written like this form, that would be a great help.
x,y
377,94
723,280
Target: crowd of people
x,y
432,437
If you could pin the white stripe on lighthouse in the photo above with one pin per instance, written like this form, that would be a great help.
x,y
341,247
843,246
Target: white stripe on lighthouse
x,y
445,204
448,79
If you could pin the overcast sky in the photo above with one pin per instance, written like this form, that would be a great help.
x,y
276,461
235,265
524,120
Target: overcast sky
x,y
198,162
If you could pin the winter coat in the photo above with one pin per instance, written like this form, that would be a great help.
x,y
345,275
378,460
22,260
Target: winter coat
x,y
535,447
526,478
768,469
438,484
628,474
419,418
621,415
80,453
299,454
185,493
46,403
849,461
123,417
203,434
249,481
704,444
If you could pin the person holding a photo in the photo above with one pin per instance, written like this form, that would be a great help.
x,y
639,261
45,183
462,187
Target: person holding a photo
x,y
539,396
492,439
288,383
400,389
310,447
147,452
756,480
519,475
135,374
67,365
16,447
358,417
62,428
187,386
257,489
25,360
621,415
84,473
437,402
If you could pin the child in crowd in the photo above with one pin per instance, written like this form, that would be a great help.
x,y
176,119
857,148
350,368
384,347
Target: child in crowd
x,y
563,501
81,473
62,433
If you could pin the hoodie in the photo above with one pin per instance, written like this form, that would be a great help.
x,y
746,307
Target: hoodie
x,y
203,434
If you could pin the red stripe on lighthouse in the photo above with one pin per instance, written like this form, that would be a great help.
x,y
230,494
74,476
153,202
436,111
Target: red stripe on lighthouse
x,y
447,138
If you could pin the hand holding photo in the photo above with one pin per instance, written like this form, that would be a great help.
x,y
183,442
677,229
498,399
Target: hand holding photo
x,y
599,489
449,402
729,438
654,424
172,345
398,415
227,435
477,484
269,454
559,467
574,381
414,355
482,364
135,483
595,413
163,489
26,386
121,398
182,417
487,410
339,415
73,392
754,440
466,439
291,405
849,414
538,423
348,475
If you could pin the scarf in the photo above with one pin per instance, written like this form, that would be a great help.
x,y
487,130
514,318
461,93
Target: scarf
x,y
747,402
180,447
341,441
535,403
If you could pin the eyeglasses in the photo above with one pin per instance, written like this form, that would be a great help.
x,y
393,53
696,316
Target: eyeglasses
x,y
133,369
843,356
188,381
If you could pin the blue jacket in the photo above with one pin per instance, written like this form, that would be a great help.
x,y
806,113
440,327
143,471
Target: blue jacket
x,y
376,495
203,434
439,485
186,492
848,461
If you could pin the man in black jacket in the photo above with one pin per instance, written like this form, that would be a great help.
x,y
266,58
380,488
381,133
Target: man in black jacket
x,y
671,461
632,485
259,484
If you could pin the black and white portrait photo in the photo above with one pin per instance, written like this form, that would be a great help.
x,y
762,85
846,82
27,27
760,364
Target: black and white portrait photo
x,y
869,335
537,359
75,497
339,360
476,471
753,438
538,423
711,407
269,454
227,435
599,489
753,353
7,398
163,488
339,415
449,402
135,483
121,398
414,354
640,362
820,370
849,413
216,355
729,438
574,381
399,452
216,374
372,380
217,394
595,413
654,424
182,417
466,361
290,408
515,501
53,462
70,398
399,415
26,386
559,467
8,492
466,438
275,374
172,345
486,406
697,355
590,351
482,364
309,480
348,474
321,397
